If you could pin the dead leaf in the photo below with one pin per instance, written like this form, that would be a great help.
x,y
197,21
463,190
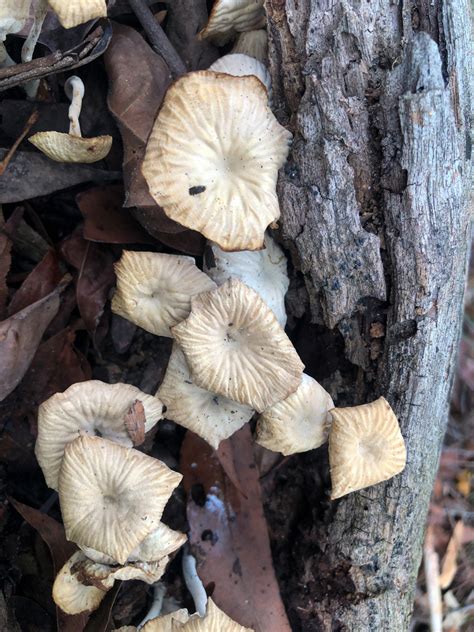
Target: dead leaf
x,y
449,565
39,283
135,422
188,241
228,533
20,336
5,262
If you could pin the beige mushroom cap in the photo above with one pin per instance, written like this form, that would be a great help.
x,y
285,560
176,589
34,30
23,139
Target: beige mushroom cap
x,y
74,12
235,347
252,43
229,17
366,447
161,542
87,407
63,147
154,290
112,497
167,623
213,417
215,621
72,596
240,65
298,423
213,156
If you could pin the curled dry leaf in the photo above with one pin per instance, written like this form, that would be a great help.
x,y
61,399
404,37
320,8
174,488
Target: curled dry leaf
x,y
39,283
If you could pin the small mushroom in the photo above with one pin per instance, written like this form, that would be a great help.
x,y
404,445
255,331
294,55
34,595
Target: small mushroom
x,y
229,17
240,65
213,156
252,43
154,290
13,15
366,447
235,347
91,407
112,497
213,417
72,147
299,423
264,270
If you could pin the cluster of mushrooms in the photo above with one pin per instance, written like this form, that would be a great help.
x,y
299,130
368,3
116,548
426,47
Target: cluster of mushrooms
x,y
211,164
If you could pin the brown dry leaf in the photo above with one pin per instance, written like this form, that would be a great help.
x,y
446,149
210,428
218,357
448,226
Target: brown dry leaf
x,y
228,533
39,283
135,422
20,336
449,565
7,230
106,220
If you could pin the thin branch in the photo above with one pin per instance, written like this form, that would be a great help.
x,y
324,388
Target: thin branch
x,y
158,40
9,155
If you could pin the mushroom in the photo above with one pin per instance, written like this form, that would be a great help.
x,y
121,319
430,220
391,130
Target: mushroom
x,y
72,147
167,623
240,65
213,417
112,497
265,271
299,423
252,43
74,12
366,447
215,621
154,290
229,17
91,407
235,347
13,15
213,156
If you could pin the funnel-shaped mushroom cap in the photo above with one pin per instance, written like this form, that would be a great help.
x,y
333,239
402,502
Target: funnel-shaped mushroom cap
x,y
366,447
265,271
213,417
73,12
91,407
67,148
239,65
112,497
253,44
72,596
299,423
213,156
235,347
154,290
215,621
168,623
160,543
229,17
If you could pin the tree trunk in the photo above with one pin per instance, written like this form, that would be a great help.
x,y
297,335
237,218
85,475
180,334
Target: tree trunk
x,y
374,213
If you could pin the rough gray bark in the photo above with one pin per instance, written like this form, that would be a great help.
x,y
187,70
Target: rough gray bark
x,y
374,212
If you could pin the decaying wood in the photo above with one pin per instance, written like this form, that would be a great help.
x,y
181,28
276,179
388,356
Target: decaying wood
x,y
375,214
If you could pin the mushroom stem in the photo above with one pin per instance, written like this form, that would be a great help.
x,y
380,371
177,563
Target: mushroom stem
x,y
74,89
159,591
28,49
194,583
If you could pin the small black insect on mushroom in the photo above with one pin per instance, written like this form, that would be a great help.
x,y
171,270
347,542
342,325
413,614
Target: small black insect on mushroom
x,y
196,190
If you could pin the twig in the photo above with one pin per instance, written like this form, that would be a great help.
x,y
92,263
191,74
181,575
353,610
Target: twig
x,y
9,155
158,40
431,563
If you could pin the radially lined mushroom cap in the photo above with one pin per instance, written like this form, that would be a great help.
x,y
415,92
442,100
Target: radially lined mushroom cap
x,y
215,621
159,543
264,270
299,422
253,44
91,407
154,290
366,447
63,147
112,497
229,17
213,157
213,417
74,12
235,347
70,594
240,65
167,623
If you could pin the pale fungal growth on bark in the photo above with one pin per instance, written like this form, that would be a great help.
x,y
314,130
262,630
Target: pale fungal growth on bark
x,y
252,43
154,290
240,65
213,157
213,417
366,447
72,147
93,408
13,15
235,347
229,17
74,12
112,497
299,423
264,270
